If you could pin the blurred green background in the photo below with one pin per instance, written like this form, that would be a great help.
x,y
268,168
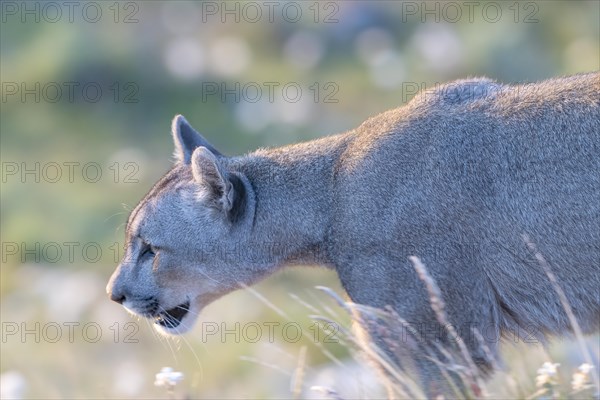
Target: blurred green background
x,y
90,88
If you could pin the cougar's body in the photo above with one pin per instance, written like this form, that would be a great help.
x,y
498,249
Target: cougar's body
x,y
457,177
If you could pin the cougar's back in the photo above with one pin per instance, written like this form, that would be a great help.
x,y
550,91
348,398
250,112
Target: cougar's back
x,y
459,176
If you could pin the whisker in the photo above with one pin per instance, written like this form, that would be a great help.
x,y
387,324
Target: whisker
x,y
171,325
159,338
122,224
114,215
222,284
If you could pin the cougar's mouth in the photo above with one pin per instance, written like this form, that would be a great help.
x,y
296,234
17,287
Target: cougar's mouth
x,y
172,318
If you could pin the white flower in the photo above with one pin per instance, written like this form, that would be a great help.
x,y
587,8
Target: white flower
x,y
548,368
546,374
581,377
168,377
585,368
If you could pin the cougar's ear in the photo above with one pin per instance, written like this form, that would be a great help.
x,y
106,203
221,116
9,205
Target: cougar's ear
x,y
209,172
187,140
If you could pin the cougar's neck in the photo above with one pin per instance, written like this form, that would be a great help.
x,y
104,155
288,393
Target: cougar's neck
x,y
293,190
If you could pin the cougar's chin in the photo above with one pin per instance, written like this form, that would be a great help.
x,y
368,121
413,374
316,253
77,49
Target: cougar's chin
x,y
176,320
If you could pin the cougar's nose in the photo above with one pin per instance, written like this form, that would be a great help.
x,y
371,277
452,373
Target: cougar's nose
x,y
117,296
115,290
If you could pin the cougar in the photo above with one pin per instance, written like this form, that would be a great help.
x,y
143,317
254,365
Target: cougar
x,y
456,177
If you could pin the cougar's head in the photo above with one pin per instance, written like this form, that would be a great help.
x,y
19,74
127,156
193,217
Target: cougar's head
x,y
185,238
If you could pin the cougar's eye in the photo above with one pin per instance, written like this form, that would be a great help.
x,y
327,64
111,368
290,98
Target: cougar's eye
x,y
147,250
